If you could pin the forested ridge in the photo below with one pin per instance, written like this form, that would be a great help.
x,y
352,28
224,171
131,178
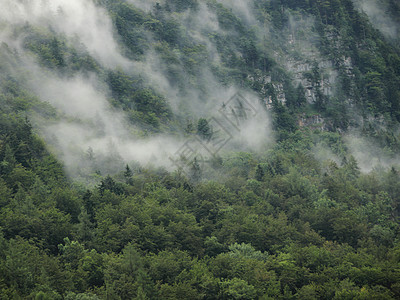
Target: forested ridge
x,y
307,209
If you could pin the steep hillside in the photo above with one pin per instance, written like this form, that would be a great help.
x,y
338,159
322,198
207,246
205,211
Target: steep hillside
x,y
199,149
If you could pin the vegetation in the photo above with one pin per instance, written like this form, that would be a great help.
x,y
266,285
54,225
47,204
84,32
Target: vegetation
x,y
282,223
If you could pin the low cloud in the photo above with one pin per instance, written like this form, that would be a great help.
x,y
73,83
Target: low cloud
x,y
146,5
368,155
89,132
81,21
378,12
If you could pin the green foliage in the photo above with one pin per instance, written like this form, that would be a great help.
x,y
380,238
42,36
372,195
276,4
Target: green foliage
x,y
181,5
283,224
300,228
145,108
204,130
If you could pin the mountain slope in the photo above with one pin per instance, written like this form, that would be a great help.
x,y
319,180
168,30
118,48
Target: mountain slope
x,y
199,149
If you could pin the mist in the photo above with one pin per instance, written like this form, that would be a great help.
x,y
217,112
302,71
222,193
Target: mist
x,y
368,155
89,134
146,5
242,9
89,122
379,15
83,22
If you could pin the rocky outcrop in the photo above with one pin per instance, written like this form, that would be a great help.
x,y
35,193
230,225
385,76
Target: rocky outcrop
x,y
314,122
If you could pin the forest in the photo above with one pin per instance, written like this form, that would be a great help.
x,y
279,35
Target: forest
x,y
299,198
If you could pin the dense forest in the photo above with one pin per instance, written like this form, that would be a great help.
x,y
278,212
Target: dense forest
x,y
297,196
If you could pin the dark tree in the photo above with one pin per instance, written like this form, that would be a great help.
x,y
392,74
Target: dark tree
x,y
203,129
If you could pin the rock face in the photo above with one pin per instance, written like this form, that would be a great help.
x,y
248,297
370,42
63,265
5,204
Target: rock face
x,y
315,74
314,122
306,65
326,80
312,76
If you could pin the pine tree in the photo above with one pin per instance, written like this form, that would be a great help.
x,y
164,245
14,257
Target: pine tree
x,y
204,129
195,170
128,175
